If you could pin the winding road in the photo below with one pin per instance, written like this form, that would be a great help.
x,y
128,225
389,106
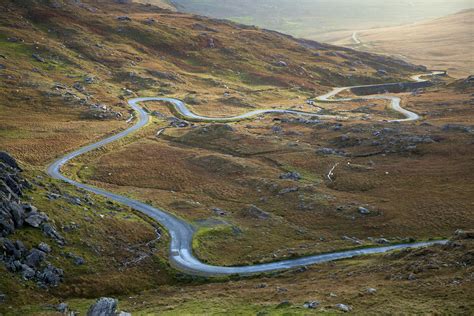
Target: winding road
x,y
181,232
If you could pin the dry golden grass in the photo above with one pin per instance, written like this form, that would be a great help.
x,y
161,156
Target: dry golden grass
x,y
445,43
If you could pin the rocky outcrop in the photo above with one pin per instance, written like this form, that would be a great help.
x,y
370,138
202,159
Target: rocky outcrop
x,y
106,306
31,264
391,88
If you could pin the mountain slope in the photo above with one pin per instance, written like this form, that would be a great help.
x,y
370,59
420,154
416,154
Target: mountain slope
x,y
444,43
255,190
86,53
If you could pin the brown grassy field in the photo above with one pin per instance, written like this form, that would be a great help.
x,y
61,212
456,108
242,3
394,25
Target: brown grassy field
x,y
193,170
445,43
415,178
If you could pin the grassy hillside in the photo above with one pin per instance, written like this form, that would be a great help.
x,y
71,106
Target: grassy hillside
x,y
443,43
67,69
83,55
314,18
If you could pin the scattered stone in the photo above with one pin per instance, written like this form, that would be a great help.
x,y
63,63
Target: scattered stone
x,y
53,196
104,306
457,128
330,151
124,18
288,190
291,176
38,58
149,21
51,232
352,239
89,80
343,307
35,219
44,247
463,234
364,211
211,43
9,160
382,241
311,304
62,308
77,260
219,212
27,272
51,276
34,258
282,63
256,212
371,290
79,87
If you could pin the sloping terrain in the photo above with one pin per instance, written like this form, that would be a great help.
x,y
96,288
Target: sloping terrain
x,y
314,19
255,190
444,43
91,58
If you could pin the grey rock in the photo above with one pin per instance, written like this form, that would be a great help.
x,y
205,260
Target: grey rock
x,y
362,210
2,67
62,308
281,63
371,290
311,304
38,58
53,196
51,276
104,306
34,258
35,219
124,18
149,21
44,247
382,241
288,190
457,128
51,232
79,87
256,212
8,160
291,176
27,272
18,214
89,80
3,298
330,151
344,307
219,212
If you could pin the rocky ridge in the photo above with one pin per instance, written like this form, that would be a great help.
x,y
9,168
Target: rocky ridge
x,y
15,214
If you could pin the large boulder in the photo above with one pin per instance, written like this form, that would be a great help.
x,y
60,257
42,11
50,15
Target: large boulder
x,y
34,258
8,160
105,306
255,212
35,219
50,231
51,276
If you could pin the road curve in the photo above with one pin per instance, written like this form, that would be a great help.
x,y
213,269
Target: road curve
x,y
181,232
394,101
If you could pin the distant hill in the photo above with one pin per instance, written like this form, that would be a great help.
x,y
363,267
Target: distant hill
x,y
313,19
165,4
446,43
